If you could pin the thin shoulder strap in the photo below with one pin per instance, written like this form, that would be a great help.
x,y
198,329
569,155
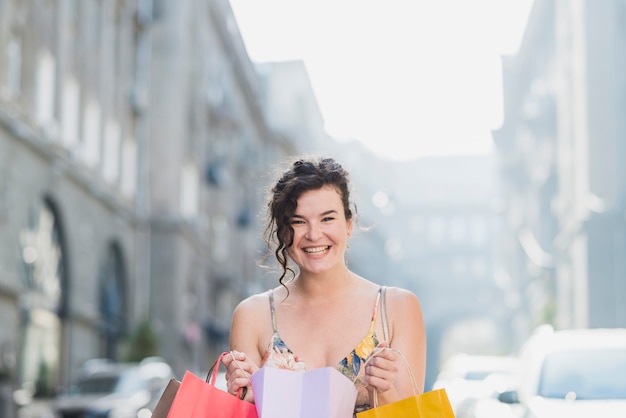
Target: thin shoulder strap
x,y
383,313
273,311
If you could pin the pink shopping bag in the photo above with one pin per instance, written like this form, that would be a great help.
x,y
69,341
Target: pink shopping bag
x,y
200,398
319,393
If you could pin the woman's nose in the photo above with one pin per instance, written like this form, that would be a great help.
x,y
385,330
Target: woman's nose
x,y
313,232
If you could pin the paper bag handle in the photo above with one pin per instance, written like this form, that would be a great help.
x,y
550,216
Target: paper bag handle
x,y
408,366
211,377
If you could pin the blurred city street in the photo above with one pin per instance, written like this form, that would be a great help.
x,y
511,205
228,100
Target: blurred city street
x,y
137,142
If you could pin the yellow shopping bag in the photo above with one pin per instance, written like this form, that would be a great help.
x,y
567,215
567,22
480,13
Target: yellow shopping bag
x,y
433,404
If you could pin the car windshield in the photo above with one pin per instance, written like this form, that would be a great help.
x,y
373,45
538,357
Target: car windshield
x,y
131,381
124,382
584,374
95,385
478,375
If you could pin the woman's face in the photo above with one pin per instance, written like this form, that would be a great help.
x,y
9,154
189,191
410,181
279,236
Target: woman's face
x,y
321,231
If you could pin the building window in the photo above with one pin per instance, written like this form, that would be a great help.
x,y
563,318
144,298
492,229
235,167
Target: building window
x,y
189,190
436,231
14,68
111,152
457,229
91,133
479,231
42,303
70,117
112,303
45,89
459,267
129,167
221,238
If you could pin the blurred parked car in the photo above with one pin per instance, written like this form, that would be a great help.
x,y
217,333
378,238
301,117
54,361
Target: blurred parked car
x,y
463,375
485,403
105,389
574,373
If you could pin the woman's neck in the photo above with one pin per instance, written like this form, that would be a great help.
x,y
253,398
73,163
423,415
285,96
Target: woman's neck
x,y
324,285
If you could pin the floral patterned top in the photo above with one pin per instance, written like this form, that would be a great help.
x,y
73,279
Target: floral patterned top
x,y
281,356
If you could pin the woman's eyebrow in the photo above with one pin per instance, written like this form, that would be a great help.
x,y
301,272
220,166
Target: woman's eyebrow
x,y
328,212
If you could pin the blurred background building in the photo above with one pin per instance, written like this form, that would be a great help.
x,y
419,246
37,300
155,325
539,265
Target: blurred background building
x,y
137,140
562,148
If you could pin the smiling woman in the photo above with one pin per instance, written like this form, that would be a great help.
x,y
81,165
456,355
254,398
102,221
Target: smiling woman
x,y
322,314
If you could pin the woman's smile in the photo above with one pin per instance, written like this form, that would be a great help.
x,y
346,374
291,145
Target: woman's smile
x,y
317,250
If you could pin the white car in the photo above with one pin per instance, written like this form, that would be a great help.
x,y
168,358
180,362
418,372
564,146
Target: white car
x,y
572,373
105,389
463,375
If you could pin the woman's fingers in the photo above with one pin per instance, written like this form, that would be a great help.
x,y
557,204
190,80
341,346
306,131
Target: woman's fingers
x,y
238,371
238,361
381,369
234,384
382,355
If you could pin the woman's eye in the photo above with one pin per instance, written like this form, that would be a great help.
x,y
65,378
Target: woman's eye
x,y
327,219
296,221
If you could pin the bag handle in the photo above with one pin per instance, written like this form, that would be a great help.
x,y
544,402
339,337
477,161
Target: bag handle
x,y
212,375
408,366
383,313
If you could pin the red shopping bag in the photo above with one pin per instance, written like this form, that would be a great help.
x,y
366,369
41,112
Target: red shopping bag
x,y
199,398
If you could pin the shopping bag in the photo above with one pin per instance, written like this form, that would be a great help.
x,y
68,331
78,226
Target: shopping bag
x,y
319,393
162,407
433,404
199,398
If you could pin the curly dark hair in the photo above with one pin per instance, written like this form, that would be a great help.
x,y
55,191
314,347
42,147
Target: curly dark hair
x,y
303,175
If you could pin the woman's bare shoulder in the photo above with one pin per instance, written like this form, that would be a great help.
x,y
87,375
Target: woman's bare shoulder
x,y
253,305
401,300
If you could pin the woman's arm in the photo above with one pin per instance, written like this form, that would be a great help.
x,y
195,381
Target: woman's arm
x,y
387,372
244,344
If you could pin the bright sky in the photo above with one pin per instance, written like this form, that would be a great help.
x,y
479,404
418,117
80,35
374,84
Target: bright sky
x,y
407,77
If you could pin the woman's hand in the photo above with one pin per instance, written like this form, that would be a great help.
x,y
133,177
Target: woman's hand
x,y
238,371
381,372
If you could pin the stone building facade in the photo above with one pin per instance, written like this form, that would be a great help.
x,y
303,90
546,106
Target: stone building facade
x,y
134,154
